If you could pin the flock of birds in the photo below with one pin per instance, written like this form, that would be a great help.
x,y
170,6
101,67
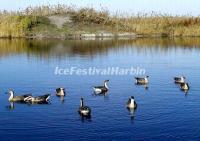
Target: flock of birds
x,y
83,109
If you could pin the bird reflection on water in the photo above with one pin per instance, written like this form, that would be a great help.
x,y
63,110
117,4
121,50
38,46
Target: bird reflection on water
x,y
132,114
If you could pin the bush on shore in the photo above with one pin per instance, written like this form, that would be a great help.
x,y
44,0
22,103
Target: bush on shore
x,y
23,23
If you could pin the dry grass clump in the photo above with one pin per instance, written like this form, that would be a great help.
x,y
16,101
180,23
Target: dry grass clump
x,y
16,25
90,15
22,23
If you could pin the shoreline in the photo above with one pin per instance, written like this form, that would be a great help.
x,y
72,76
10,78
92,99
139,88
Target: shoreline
x,y
101,36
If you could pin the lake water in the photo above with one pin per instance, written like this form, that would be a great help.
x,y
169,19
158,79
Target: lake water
x,y
164,112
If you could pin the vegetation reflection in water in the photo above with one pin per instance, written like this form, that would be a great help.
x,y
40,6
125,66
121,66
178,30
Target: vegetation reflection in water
x,y
47,48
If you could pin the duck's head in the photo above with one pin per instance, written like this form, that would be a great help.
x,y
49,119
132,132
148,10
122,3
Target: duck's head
x,y
106,81
58,90
182,76
63,89
10,92
147,76
132,97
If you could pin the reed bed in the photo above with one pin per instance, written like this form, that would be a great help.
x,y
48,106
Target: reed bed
x,y
34,20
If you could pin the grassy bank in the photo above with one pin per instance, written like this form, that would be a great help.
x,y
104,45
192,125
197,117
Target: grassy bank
x,y
60,21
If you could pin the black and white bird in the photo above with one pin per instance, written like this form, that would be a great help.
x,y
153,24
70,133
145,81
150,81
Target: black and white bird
x,y
184,86
38,99
19,98
101,89
131,104
84,110
60,92
142,80
180,79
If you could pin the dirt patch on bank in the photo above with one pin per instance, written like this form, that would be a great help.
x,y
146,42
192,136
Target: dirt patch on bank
x,y
59,21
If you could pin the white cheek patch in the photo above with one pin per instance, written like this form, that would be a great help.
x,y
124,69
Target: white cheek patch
x,y
106,85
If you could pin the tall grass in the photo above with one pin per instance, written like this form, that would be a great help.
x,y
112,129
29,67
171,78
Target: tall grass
x,y
22,23
16,25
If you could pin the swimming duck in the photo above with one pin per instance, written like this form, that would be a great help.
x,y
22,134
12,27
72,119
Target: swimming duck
x,y
60,92
84,110
101,89
140,80
131,104
179,79
20,98
184,86
38,99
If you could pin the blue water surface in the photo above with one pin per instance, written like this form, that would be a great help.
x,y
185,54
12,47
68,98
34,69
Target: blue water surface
x,y
164,112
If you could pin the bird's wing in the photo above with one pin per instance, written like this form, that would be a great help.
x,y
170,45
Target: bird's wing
x,y
98,87
182,84
58,90
135,104
129,101
42,97
26,95
177,78
138,78
86,108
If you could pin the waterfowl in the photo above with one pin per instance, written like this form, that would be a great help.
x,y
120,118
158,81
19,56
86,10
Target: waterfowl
x,y
143,80
84,110
184,86
179,79
101,89
38,99
20,98
60,92
131,104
